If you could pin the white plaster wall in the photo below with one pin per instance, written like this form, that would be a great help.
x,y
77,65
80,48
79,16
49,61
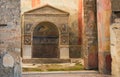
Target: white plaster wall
x,y
115,49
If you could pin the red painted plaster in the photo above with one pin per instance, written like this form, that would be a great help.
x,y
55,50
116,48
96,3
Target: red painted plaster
x,y
35,3
103,23
80,25
103,15
108,62
92,60
106,4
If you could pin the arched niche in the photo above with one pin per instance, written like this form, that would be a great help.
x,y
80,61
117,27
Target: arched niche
x,y
41,25
45,41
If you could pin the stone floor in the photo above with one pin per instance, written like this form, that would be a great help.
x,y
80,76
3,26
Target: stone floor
x,y
66,74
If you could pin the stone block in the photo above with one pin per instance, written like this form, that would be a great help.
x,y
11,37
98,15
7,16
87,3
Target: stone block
x,y
64,53
8,60
27,54
115,48
10,37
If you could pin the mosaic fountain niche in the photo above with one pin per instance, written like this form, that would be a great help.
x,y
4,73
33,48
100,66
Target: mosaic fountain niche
x,y
45,41
45,33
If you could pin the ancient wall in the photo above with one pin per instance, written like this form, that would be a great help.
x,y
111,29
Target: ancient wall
x,y
115,5
25,5
103,23
10,40
90,43
115,38
115,48
115,10
71,6
35,3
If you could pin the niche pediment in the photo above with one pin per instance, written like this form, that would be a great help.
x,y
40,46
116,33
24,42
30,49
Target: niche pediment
x,y
46,9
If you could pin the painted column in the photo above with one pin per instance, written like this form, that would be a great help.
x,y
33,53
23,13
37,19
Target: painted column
x,y
35,3
103,22
80,24
90,41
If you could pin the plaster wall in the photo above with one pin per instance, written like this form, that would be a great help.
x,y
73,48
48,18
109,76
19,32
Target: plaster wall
x,y
115,38
10,38
115,48
103,23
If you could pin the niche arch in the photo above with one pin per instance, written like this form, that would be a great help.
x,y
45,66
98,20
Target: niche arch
x,y
47,14
45,42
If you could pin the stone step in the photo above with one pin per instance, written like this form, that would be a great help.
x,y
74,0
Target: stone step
x,y
45,60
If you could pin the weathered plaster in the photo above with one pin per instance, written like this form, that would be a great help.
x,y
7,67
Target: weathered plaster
x,y
10,38
8,60
115,47
90,42
103,22
35,3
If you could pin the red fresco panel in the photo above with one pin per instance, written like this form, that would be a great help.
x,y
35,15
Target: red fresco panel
x,y
35,3
80,7
103,20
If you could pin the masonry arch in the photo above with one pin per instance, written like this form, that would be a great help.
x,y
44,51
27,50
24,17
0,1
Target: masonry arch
x,y
54,25
45,41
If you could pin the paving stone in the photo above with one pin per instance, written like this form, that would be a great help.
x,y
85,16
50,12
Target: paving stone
x,y
8,61
64,75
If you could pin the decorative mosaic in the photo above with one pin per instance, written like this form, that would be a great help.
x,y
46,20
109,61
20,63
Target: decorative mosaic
x,y
27,39
27,28
64,40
